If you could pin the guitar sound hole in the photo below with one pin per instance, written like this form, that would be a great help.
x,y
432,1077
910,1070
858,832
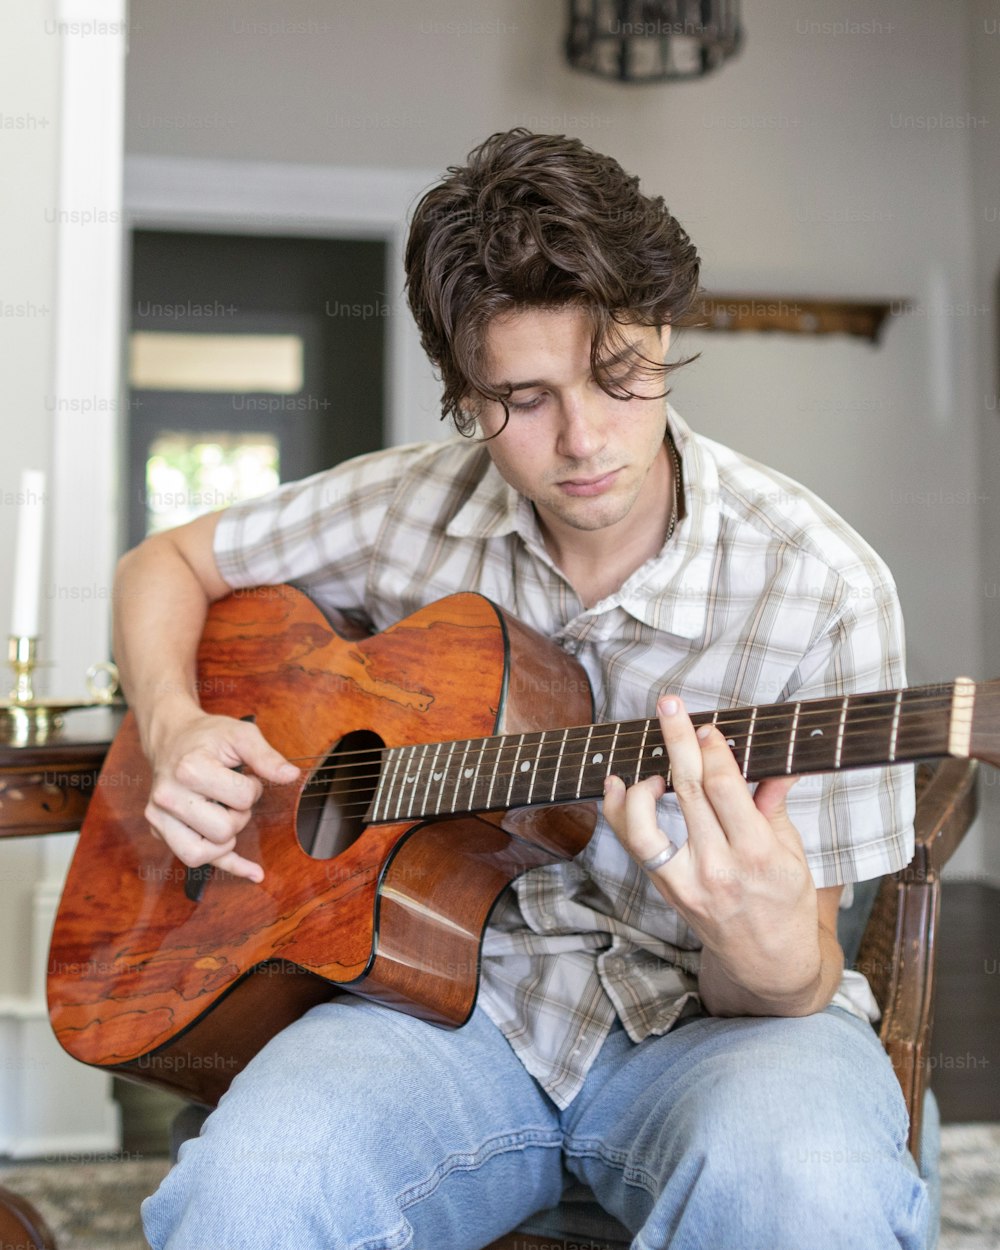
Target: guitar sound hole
x,y
337,796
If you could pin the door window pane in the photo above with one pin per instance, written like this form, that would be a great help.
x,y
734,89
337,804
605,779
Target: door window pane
x,y
167,361
189,474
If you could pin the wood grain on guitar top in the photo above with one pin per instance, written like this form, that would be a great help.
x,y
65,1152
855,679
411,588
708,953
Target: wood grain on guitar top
x,y
137,968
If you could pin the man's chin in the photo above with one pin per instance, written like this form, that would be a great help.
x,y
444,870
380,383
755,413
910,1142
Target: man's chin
x,y
587,513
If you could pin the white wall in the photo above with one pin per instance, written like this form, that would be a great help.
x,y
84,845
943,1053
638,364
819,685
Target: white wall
x,y
48,1102
29,72
984,94
832,157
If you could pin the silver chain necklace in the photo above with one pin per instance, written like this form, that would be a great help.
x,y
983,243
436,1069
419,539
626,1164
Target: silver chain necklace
x,y
675,461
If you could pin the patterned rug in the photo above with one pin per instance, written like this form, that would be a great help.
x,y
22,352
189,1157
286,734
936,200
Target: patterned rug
x,y
95,1205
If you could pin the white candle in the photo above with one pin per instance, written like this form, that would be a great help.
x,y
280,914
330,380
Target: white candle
x,y
28,554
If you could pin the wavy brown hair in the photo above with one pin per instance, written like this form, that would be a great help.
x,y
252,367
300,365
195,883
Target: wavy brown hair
x,y
540,221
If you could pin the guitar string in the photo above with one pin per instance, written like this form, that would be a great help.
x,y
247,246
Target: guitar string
x,y
411,808
348,804
365,786
486,751
919,741
740,717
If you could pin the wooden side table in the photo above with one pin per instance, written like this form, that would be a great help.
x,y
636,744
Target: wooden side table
x,y
45,789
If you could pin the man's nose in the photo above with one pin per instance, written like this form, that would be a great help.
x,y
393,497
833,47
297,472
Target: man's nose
x,y
582,429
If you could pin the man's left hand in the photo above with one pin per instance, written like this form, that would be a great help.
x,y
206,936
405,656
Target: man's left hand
x,y
741,880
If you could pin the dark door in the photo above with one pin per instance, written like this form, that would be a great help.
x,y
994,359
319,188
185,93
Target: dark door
x,y
253,360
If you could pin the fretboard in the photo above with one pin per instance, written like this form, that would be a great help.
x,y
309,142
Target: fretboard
x,y
567,765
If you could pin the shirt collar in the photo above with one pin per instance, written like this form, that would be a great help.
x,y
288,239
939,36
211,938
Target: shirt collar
x,y
670,592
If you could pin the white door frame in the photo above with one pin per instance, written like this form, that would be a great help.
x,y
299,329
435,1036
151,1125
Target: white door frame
x,y
49,1103
270,198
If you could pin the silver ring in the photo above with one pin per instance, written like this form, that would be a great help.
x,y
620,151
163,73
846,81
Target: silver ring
x,y
664,857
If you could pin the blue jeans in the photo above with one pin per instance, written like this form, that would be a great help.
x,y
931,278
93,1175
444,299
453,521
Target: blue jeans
x,y
360,1127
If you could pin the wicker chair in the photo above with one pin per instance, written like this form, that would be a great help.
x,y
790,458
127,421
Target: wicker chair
x,y
890,934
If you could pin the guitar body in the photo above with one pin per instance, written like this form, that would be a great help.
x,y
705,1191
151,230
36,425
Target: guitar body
x,y
180,991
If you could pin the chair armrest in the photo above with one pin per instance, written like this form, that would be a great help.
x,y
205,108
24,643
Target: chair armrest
x,y
898,951
947,803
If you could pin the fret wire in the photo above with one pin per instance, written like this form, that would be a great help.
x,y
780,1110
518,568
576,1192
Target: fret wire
x,y
475,780
746,754
894,732
642,749
406,755
410,779
405,765
408,760
444,777
840,732
534,771
513,770
611,752
791,739
380,788
493,781
430,775
379,794
559,764
461,774
583,761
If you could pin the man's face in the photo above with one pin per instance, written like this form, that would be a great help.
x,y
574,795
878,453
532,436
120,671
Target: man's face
x,y
587,461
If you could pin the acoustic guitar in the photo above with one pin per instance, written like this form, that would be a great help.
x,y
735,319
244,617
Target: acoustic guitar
x,y
439,760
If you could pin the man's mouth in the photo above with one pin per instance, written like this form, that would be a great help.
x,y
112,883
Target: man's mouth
x,y
593,485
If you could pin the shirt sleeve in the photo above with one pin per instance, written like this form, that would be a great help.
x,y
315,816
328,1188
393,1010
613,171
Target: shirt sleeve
x,y
318,533
855,824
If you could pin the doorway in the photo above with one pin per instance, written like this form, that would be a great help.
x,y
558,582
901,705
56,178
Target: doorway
x,y
253,360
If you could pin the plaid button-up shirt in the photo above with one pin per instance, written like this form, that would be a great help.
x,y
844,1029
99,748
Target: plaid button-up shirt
x,y
762,595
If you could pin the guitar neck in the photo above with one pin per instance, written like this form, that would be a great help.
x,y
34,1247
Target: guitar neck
x,y
567,765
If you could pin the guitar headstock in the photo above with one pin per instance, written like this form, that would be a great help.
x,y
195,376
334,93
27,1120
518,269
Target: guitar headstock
x,y
985,744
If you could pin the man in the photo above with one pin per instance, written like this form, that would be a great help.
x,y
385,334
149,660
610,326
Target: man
x,y
666,1017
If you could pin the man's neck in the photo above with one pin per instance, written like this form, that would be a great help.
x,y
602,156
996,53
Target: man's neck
x,y
598,562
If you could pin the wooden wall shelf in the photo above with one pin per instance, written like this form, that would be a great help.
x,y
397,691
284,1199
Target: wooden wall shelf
x,y
792,314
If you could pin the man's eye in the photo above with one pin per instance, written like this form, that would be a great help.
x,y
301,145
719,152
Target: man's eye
x,y
525,405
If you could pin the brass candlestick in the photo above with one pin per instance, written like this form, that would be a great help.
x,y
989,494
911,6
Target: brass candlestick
x,y
23,719
22,655
26,719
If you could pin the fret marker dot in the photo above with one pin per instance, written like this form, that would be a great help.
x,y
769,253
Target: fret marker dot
x,y
598,758
657,751
437,776
468,772
525,766
816,733
731,742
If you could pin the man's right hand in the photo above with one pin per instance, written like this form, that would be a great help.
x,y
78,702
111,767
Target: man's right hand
x,y
198,803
